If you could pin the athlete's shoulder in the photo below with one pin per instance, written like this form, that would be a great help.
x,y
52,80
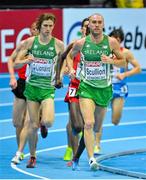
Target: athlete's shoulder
x,y
59,44
80,42
28,42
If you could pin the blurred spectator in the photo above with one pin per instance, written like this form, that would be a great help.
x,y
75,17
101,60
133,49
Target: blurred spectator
x,y
131,3
119,3
103,3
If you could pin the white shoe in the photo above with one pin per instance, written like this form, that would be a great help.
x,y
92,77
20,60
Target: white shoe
x,y
94,166
16,158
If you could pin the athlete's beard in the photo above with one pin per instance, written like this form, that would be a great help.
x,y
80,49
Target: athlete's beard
x,y
95,35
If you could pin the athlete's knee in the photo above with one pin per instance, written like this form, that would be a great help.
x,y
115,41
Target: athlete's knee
x,y
18,124
48,123
76,129
34,126
115,121
96,129
88,125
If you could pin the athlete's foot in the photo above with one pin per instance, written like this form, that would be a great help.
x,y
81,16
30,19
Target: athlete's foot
x,y
68,154
97,150
21,156
94,166
31,162
69,164
17,158
44,131
75,165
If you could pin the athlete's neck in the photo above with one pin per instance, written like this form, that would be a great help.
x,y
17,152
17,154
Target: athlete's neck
x,y
44,39
96,38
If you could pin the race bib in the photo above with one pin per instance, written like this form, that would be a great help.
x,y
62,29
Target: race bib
x,y
95,72
41,69
72,92
124,89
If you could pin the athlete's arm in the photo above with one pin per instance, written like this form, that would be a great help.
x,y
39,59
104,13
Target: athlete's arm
x,y
21,58
11,60
59,45
118,59
130,59
73,52
13,81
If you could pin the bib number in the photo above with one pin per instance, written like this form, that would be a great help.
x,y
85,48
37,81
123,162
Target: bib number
x,y
72,92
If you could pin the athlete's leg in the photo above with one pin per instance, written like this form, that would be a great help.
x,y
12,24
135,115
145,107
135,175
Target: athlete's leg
x,y
47,107
75,160
33,109
24,135
81,148
117,108
68,151
87,108
19,112
99,118
76,117
77,123
72,143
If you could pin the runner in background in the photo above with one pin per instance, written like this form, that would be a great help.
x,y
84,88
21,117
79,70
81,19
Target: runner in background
x,y
20,115
119,80
75,124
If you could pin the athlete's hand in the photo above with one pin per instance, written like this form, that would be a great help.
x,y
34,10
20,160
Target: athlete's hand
x,y
58,84
121,76
106,59
13,83
30,59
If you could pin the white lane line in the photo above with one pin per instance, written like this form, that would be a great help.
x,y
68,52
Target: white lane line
x,y
123,139
28,173
5,121
5,89
136,83
137,95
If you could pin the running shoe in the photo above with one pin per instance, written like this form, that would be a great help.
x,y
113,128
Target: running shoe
x,y
94,166
31,162
44,131
75,165
68,154
16,159
96,150
21,156
69,164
